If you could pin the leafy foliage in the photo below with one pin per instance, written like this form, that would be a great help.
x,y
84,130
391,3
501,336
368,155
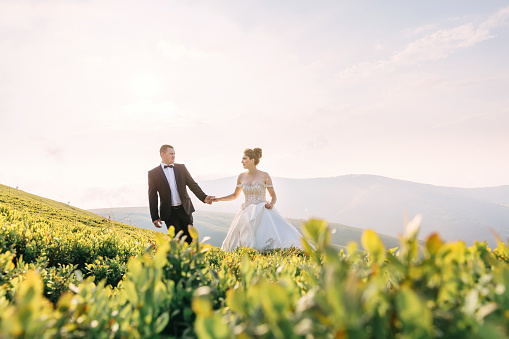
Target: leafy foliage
x,y
64,278
58,239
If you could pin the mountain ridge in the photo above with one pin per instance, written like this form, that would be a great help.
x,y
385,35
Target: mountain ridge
x,y
381,203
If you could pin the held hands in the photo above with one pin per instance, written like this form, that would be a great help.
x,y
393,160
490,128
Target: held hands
x,y
158,223
209,199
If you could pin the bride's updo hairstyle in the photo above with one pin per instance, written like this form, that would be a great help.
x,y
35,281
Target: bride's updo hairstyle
x,y
255,154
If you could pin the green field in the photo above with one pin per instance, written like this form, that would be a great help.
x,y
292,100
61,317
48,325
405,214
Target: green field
x,y
68,273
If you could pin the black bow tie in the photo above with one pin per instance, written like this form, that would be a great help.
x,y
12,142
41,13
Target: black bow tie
x,y
165,166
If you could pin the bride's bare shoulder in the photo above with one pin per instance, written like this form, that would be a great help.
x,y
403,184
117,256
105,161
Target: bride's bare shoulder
x,y
265,174
241,177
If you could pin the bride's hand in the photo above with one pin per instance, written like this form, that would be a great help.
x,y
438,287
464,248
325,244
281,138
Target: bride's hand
x,y
269,205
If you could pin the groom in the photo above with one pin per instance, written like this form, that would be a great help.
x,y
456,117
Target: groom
x,y
169,180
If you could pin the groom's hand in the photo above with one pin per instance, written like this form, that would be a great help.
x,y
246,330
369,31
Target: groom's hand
x,y
209,199
157,223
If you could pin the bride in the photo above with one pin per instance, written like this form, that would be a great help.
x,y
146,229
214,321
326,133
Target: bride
x,y
258,224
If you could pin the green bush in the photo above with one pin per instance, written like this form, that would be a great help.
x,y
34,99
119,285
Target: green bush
x,y
68,275
443,290
95,251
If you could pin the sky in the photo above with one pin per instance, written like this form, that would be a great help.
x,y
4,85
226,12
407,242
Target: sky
x,y
89,91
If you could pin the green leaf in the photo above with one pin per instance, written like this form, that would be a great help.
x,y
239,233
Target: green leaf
x,y
211,327
433,243
193,232
132,293
171,231
275,300
316,230
161,322
372,243
245,266
201,303
415,317
236,300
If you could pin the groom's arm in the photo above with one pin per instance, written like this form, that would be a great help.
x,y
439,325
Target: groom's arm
x,y
194,187
152,198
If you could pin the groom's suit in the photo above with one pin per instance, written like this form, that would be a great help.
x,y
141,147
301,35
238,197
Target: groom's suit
x,y
158,185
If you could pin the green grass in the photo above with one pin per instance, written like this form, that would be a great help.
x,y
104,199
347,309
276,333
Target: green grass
x,y
53,211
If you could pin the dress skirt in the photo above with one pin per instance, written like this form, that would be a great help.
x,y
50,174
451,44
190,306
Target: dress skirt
x,y
262,229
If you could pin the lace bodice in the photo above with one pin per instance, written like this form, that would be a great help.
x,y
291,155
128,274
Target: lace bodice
x,y
254,194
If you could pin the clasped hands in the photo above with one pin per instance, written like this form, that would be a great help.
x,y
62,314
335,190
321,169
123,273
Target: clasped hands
x,y
210,199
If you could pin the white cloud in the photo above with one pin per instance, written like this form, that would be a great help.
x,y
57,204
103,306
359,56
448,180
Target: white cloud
x,y
498,19
418,30
440,44
434,46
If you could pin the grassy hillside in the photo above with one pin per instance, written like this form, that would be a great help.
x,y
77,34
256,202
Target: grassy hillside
x,y
57,239
54,211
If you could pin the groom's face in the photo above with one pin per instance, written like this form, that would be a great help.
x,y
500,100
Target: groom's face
x,y
168,157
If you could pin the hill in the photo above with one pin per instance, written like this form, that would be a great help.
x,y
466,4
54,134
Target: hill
x,y
51,211
56,240
380,203
216,224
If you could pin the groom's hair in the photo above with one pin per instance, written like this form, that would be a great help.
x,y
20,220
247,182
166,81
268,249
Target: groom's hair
x,y
164,148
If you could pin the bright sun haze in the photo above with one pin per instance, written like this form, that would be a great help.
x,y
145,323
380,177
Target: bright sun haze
x,y
91,89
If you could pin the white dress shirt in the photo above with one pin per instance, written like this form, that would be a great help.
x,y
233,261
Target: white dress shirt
x,y
170,176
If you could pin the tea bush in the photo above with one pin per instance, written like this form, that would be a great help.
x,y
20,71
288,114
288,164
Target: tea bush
x,y
67,275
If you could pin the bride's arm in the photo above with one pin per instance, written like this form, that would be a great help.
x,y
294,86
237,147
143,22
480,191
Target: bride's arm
x,y
272,193
232,196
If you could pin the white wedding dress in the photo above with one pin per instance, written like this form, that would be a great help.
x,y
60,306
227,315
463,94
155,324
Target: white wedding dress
x,y
258,227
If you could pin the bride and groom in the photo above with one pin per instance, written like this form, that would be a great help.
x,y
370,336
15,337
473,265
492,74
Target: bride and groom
x,y
257,224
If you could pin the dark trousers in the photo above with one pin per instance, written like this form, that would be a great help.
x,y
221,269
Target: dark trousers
x,y
180,220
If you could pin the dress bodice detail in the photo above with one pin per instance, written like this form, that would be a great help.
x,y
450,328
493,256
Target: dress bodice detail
x,y
255,194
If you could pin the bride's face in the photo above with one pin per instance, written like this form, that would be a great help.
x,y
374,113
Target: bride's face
x,y
246,162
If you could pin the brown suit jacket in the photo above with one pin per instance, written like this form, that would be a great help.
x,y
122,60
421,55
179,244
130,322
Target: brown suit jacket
x,y
158,185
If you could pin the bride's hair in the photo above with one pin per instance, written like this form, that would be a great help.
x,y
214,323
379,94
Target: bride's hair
x,y
255,154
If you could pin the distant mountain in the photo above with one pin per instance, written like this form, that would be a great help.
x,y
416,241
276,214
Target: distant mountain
x,y
380,203
216,224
